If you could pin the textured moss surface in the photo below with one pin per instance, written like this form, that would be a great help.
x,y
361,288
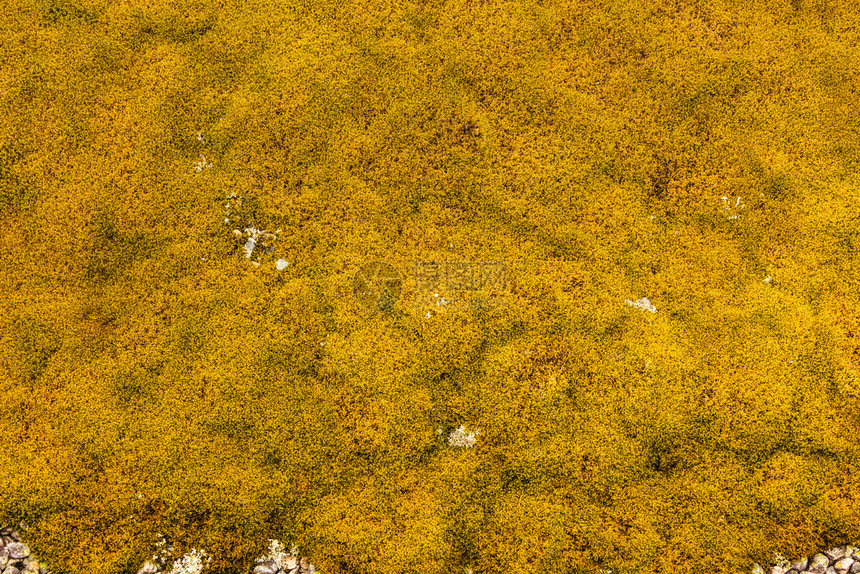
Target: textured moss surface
x,y
587,145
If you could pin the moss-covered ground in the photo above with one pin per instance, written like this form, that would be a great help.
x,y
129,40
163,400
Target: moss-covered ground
x,y
588,145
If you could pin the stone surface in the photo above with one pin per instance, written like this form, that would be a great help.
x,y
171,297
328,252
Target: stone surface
x,y
16,558
268,567
855,568
819,560
18,551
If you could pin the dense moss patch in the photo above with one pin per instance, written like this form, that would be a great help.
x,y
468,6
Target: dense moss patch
x,y
700,156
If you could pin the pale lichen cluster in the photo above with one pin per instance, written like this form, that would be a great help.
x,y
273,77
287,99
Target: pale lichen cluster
x,y
255,240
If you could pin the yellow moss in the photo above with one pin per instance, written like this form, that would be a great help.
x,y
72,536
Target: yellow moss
x,y
587,146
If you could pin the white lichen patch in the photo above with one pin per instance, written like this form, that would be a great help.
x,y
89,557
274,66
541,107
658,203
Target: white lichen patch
x,y
459,438
202,163
191,563
730,208
643,304
249,247
287,562
255,240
